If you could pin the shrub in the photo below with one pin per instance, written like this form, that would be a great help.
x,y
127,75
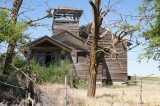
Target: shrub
x,y
51,74
19,62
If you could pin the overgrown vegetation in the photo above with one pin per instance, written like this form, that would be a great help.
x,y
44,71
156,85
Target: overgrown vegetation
x,y
51,74
12,32
18,62
81,83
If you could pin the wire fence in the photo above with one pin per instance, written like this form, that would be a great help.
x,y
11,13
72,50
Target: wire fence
x,y
144,93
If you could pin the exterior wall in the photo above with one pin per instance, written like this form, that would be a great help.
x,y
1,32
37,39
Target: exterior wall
x,y
82,64
55,54
115,71
111,68
61,25
47,53
108,71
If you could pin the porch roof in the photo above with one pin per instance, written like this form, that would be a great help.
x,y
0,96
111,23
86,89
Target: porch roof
x,y
50,40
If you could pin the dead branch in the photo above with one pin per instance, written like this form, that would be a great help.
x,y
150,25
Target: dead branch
x,y
11,85
126,15
115,4
22,72
24,12
5,8
92,4
38,19
15,9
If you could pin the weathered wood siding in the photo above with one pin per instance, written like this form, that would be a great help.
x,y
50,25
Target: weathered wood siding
x,y
61,25
110,69
81,63
44,51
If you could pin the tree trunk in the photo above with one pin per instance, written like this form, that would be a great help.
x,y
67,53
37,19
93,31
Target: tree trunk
x,y
9,56
11,46
71,78
93,72
93,59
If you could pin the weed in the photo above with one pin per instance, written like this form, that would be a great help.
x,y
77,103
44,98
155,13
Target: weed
x,y
51,74
82,84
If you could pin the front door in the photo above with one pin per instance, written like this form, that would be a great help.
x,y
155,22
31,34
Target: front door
x,y
46,59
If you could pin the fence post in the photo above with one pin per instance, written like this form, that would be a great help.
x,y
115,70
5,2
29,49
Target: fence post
x,y
141,101
141,92
65,91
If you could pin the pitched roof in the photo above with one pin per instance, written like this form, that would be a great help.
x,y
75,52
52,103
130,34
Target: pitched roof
x,y
65,31
71,40
51,40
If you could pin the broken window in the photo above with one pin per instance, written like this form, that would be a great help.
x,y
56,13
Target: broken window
x,y
81,57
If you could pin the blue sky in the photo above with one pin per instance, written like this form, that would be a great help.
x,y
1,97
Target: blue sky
x,y
39,8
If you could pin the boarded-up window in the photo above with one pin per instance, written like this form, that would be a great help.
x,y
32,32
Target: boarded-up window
x,y
81,57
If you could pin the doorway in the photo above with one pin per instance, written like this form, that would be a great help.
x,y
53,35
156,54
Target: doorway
x,y
46,59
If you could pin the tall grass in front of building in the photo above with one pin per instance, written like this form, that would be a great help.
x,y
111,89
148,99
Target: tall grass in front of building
x,y
52,73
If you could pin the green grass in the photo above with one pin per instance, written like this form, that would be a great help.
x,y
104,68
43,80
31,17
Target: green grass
x,y
51,74
153,79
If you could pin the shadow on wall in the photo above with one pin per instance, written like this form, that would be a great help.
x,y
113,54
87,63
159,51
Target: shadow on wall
x,y
106,76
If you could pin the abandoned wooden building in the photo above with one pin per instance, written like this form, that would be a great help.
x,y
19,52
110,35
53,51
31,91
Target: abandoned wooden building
x,y
69,41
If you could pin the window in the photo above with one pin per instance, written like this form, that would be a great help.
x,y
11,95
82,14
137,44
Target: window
x,y
81,57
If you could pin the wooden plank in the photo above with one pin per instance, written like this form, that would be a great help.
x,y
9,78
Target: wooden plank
x,y
113,69
71,26
73,56
80,73
116,65
104,78
115,74
44,48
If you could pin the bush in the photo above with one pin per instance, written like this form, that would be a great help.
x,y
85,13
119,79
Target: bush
x,y
19,62
51,74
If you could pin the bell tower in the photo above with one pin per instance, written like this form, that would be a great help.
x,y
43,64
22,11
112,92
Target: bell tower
x,y
65,19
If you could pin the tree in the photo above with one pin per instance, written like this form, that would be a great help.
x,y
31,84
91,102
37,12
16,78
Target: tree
x,y
11,46
12,30
150,9
122,30
95,33
12,34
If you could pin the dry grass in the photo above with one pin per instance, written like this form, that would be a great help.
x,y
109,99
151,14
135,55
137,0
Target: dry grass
x,y
116,96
